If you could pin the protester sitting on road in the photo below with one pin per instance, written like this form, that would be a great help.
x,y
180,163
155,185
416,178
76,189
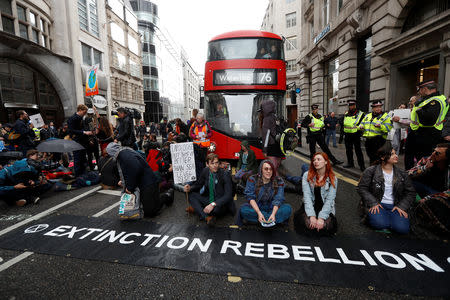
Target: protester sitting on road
x,y
317,214
386,192
22,182
430,175
135,173
212,193
265,193
247,163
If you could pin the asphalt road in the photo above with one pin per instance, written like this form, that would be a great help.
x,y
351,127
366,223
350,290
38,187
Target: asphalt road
x,y
39,276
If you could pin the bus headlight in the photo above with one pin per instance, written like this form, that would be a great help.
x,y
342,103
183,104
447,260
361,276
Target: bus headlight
x,y
212,147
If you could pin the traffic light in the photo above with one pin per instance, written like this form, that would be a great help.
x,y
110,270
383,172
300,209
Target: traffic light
x,y
293,96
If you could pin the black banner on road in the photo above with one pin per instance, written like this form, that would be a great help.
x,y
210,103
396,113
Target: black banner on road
x,y
389,265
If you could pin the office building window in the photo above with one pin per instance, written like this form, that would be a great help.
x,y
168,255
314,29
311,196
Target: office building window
x,y
326,12
291,20
339,6
117,34
87,16
133,44
7,16
135,69
91,56
311,29
21,13
291,66
116,7
291,43
120,61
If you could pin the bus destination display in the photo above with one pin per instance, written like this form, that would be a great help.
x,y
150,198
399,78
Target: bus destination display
x,y
245,77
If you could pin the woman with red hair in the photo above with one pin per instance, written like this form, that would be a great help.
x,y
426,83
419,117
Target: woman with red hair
x,y
319,192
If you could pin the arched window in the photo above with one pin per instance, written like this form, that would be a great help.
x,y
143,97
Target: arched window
x,y
423,11
22,87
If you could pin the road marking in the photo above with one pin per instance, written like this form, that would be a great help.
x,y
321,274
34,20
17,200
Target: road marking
x,y
14,260
110,192
338,175
106,210
48,211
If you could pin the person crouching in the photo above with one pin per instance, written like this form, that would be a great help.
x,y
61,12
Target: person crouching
x,y
212,193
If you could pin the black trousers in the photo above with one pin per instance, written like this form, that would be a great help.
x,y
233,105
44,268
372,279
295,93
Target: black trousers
x,y
151,202
199,202
319,139
372,146
420,143
354,140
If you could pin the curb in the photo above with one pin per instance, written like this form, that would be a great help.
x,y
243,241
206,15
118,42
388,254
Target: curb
x,y
349,172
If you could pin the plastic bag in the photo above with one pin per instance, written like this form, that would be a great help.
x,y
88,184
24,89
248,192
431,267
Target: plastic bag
x,y
130,206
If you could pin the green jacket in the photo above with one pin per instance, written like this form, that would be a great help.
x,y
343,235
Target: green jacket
x,y
252,164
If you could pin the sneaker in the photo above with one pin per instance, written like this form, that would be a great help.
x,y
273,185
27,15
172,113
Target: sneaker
x,y
21,202
210,220
190,210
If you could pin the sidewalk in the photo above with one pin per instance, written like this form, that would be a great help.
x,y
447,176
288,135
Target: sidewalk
x,y
339,153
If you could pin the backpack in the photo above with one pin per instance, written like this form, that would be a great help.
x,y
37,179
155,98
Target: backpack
x,y
154,159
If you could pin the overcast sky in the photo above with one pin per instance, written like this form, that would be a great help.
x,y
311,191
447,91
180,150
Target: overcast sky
x,y
193,23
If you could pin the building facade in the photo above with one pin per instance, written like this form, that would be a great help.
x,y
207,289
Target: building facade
x,y
125,59
283,18
43,62
148,21
371,50
191,88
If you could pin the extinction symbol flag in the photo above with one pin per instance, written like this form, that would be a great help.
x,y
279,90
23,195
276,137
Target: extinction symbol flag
x,y
91,81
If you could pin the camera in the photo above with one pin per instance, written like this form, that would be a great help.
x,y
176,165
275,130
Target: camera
x,y
132,112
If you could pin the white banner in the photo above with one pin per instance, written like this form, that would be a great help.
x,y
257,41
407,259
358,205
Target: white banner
x,y
183,162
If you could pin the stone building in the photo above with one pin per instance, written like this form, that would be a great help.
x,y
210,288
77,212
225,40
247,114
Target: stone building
x,y
283,18
371,50
124,43
46,47
191,87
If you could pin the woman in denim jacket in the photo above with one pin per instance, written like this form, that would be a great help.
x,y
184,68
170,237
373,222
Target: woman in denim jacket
x,y
265,193
319,192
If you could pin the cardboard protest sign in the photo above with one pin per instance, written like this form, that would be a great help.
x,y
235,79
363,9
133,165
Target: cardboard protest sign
x,y
37,120
183,162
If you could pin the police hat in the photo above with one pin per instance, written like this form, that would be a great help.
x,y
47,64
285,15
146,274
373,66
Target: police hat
x,y
376,103
351,102
426,83
314,106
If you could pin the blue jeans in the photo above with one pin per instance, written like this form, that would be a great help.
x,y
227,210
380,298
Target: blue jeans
x,y
298,179
239,174
282,215
332,133
386,219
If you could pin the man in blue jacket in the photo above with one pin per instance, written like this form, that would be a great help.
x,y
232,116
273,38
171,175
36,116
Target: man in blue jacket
x,y
25,134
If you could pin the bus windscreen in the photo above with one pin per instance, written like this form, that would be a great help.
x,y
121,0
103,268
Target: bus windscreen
x,y
245,48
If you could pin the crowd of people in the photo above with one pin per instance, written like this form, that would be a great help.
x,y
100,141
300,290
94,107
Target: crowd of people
x,y
131,157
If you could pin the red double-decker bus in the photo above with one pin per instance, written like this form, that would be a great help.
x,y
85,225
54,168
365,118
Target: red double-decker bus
x,y
244,68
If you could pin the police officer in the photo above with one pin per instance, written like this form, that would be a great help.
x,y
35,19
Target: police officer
x,y
376,126
315,126
350,129
427,119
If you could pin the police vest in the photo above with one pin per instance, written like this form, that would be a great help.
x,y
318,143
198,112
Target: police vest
x,y
318,124
37,134
369,125
350,122
203,141
415,122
